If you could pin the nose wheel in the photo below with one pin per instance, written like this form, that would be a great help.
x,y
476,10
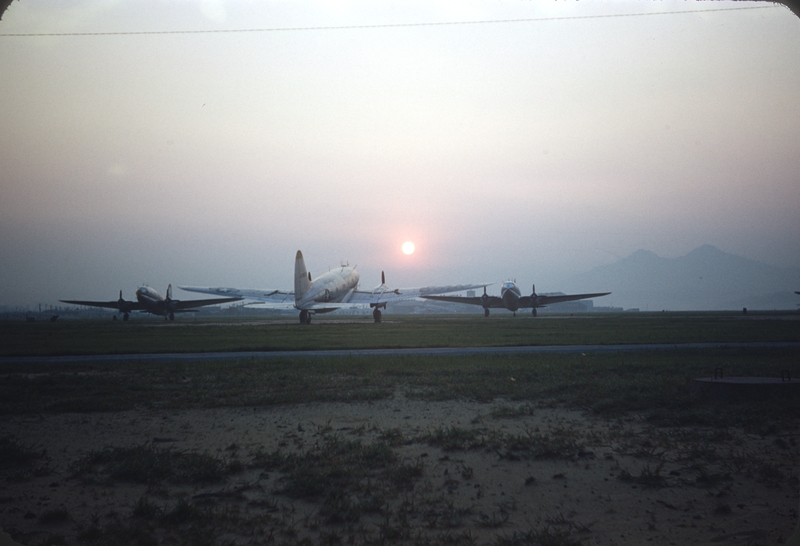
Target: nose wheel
x,y
305,317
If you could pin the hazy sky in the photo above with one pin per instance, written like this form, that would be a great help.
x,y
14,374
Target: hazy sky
x,y
531,150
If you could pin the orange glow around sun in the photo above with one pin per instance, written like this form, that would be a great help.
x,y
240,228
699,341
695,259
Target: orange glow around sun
x,y
408,248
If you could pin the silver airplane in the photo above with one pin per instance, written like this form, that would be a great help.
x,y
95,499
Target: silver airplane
x,y
336,289
150,301
512,299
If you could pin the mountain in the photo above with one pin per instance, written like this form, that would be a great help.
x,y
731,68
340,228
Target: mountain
x,y
704,279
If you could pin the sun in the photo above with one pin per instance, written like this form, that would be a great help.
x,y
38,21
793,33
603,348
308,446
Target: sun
x,y
408,247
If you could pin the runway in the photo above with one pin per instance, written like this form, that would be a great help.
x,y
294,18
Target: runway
x,y
424,351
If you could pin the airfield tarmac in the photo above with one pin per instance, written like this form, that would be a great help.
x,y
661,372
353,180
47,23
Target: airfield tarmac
x,y
426,351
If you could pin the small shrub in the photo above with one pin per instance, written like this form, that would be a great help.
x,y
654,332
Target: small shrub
x,y
145,509
56,515
650,478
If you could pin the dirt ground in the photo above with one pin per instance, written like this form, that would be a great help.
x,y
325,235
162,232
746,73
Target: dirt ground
x,y
626,483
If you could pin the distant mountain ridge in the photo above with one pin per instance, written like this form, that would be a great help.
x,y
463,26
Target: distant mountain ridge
x,y
704,279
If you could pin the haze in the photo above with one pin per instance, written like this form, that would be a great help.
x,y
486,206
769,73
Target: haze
x,y
531,150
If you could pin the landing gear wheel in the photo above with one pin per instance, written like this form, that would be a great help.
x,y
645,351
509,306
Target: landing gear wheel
x,y
305,317
534,311
172,316
485,312
125,316
376,315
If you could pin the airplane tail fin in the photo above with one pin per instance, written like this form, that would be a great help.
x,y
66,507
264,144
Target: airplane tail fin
x,y
169,292
302,280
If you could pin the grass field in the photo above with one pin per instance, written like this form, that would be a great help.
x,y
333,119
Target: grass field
x,y
195,335
653,382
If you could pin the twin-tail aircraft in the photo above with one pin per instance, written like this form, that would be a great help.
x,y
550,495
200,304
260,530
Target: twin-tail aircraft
x,y
149,300
511,298
336,289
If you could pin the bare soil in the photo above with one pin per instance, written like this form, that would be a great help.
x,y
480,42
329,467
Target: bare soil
x,y
625,484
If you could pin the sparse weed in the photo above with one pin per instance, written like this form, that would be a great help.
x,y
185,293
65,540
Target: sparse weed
x,y
558,443
339,507
55,515
393,436
770,474
151,465
708,480
455,438
19,461
545,536
350,477
182,512
394,528
116,533
15,453
145,509
504,411
648,478
403,476
494,520
56,539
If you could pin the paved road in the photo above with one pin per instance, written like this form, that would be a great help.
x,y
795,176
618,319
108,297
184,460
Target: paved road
x,y
432,351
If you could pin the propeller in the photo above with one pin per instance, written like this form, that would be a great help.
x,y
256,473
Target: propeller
x,y
534,300
169,303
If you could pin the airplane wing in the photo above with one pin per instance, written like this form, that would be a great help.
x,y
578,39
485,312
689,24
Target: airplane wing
x,y
129,305
186,305
542,301
488,301
282,299
383,294
524,301
267,296
267,299
268,305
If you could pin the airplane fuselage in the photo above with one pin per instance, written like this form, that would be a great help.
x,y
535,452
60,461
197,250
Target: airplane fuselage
x,y
510,294
153,302
335,286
